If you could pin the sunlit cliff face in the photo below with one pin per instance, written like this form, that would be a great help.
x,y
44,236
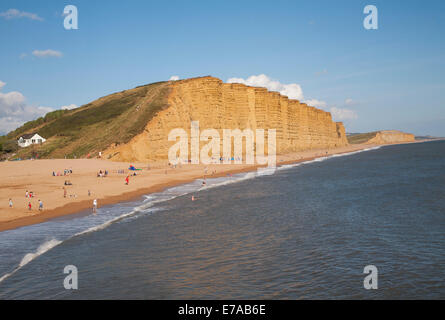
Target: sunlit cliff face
x,y
218,105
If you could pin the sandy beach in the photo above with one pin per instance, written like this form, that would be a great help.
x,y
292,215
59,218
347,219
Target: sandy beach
x,y
37,176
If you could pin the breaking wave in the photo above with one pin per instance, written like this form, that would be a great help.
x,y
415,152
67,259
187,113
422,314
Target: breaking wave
x,y
44,247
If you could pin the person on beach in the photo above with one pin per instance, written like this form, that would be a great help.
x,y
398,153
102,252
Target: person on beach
x,y
26,194
89,193
64,192
94,205
10,202
127,180
29,206
40,205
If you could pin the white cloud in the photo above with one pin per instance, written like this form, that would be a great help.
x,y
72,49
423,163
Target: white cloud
x,y
47,53
8,124
17,14
292,90
2,84
174,78
9,100
69,107
349,102
316,103
343,114
14,111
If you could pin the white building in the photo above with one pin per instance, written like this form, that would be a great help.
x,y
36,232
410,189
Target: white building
x,y
29,139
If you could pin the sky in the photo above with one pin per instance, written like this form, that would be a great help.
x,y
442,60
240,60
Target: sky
x,y
319,52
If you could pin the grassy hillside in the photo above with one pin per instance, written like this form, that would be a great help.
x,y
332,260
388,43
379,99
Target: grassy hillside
x,y
360,137
113,119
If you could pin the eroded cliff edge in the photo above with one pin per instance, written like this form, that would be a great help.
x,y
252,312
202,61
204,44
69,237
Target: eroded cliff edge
x,y
219,105
381,137
391,136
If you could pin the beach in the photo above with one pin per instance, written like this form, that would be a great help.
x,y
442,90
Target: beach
x,y
17,177
266,234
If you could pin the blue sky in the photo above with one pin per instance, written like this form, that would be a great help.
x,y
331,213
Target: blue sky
x,y
389,78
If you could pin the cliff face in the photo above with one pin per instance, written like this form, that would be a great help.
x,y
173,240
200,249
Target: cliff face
x,y
219,105
391,136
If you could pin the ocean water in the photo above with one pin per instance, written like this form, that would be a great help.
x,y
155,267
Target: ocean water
x,y
305,231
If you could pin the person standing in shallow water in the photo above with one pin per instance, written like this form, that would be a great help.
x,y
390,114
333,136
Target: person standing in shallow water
x,y
94,205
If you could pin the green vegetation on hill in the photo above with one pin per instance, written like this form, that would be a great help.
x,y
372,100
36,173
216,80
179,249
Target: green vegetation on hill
x,y
357,138
34,124
113,119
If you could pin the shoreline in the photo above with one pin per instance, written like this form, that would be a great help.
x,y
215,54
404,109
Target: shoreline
x,y
181,176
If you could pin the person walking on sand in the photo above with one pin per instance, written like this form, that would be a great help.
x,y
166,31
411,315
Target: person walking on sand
x,y
29,206
26,194
127,180
40,205
94,205
10,202
64,192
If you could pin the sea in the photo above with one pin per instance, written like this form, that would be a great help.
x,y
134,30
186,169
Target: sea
x,y
304,231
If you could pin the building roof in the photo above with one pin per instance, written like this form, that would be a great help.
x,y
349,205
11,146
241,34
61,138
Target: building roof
x,y
28,135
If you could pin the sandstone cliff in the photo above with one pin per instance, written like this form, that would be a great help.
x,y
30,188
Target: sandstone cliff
x,y
381,137
220,106
391,136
